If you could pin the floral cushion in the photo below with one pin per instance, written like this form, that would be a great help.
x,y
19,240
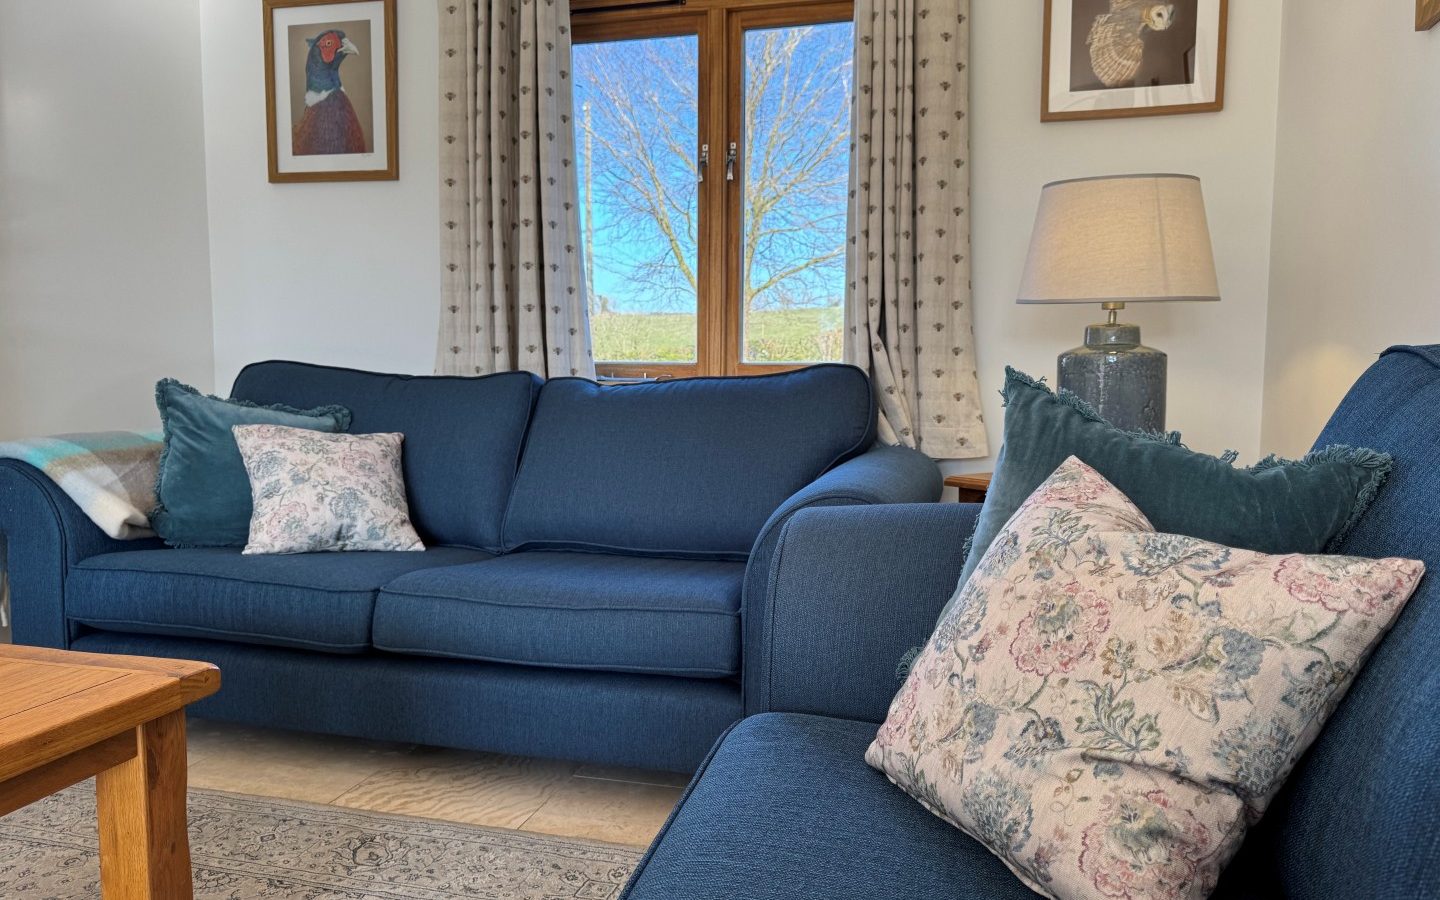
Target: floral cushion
x,y
1108,708
314,491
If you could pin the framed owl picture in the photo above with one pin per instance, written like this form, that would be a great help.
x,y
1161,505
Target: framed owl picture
x,y
1114,59
1427,14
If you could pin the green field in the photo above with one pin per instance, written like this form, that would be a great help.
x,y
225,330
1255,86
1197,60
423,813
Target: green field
x,y
771,336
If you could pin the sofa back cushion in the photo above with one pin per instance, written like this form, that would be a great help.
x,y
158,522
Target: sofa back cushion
x,y
462,436
685,468
1361,811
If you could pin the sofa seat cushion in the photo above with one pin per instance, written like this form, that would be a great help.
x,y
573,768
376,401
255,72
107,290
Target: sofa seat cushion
x,y
786,807
314,601
572,610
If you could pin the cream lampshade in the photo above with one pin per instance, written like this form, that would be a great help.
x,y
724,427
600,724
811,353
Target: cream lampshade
x,y
1118,240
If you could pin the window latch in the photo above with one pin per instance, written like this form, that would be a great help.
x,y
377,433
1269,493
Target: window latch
x,y
704,160
730,162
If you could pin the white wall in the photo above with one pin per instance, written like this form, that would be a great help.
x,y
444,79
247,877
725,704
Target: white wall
x,y
1357,220
342,273
1216,349
104,261
348,273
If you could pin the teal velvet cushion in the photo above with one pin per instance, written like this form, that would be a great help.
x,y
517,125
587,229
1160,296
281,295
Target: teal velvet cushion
x,y
203,493
1275,506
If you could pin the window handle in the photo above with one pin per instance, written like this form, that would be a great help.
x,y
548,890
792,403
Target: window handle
x,y
704,160
730,162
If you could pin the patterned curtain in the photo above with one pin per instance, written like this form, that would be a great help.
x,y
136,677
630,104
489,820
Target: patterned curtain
x,y
512,294
907,313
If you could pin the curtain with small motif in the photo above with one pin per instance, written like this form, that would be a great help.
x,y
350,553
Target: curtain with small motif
x,y
512,292
907,312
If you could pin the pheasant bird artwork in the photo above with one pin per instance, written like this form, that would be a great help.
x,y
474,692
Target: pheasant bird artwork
x,y
329,124
1117,45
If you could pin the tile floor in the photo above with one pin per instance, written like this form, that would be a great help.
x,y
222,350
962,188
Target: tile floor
x,y
620,806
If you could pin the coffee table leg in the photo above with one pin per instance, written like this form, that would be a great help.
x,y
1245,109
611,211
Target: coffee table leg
x,y
144,851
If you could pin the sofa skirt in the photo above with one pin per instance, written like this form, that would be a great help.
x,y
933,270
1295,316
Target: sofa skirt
x,y
644,721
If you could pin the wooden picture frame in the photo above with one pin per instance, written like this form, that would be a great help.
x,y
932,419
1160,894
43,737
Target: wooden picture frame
x,y
328,118
1185,66
1427,14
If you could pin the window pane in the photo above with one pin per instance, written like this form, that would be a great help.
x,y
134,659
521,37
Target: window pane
x,y
797,166
636,130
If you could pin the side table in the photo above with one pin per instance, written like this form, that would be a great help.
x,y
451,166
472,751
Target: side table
x,y
971,488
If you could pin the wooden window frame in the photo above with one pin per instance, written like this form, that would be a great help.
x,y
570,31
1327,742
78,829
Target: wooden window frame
x,y
720,27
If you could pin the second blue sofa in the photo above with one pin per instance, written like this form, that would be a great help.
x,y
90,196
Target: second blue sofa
x,y
593,589
787,809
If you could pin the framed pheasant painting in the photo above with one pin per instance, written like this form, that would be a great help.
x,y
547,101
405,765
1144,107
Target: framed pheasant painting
x,y
1111,59
331,110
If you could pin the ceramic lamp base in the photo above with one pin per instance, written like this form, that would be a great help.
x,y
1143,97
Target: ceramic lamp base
x,y
1122,378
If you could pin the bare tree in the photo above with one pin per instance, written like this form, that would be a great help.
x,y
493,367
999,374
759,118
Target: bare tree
x,y
640,130
796,167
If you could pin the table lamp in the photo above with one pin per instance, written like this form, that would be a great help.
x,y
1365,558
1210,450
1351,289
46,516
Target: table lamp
x,y
1118,240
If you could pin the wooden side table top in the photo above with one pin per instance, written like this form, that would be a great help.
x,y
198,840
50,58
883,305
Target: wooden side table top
x,y
971,488
67,716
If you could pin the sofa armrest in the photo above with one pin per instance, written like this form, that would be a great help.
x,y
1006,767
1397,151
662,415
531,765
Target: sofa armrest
x,y
850,593
45,534
882,475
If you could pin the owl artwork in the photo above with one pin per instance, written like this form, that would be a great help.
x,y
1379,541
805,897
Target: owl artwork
x,y
1117,42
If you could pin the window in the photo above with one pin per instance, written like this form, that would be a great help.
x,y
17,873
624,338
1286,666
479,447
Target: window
x,y
713,142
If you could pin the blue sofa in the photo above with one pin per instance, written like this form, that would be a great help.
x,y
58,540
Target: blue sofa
x,y
785,807
592,588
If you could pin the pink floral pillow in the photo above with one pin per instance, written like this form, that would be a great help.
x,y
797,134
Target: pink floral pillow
x,y
1108,708
316,491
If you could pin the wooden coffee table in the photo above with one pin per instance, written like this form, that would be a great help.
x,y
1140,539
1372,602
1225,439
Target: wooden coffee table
x,y
66,716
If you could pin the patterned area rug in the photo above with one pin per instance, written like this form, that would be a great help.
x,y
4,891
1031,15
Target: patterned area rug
x,y
258,847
